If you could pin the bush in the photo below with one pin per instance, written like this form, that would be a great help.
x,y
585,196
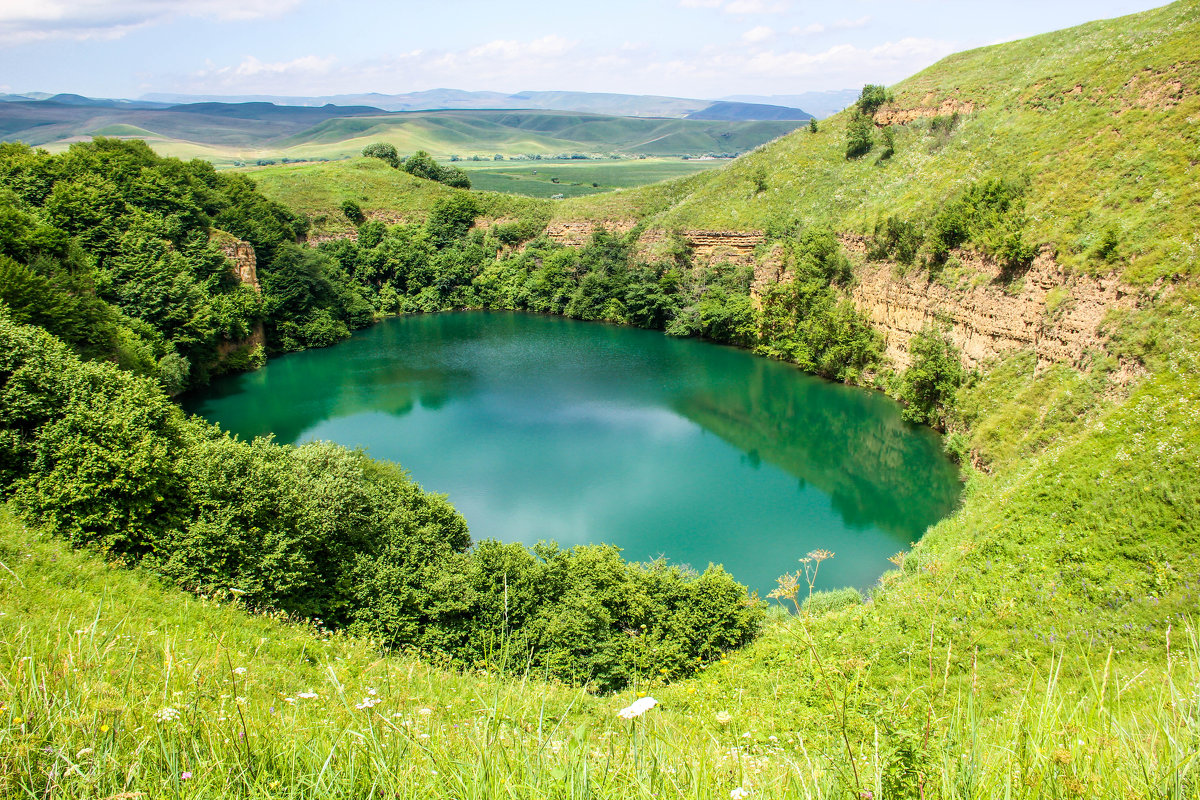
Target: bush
x,y
895,238
859,136
422,165
889,143
928,386
353,212
872,98
383,151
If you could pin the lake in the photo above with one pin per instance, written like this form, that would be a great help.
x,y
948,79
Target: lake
x,y
546,428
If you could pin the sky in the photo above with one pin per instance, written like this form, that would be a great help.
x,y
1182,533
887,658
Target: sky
x,y
684,48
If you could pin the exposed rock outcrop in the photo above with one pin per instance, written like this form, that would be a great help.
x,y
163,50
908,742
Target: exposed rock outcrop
x,y
1057,315
576,233
243,262
893,115
244,266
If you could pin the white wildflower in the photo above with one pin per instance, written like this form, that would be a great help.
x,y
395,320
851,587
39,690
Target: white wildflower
x,y
239,671
307,695
425,712
166,714
368,702
739,794
637,708
723,717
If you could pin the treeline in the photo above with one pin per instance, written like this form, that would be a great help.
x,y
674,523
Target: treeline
x,y
101,456
107,246
449,264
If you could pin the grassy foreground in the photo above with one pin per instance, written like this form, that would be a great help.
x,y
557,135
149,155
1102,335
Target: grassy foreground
x,y
122,689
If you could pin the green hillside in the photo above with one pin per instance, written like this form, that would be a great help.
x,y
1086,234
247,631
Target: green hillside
x,y
1098,119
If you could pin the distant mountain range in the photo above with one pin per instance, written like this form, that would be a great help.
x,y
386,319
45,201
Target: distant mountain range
x,y
819,104
620,105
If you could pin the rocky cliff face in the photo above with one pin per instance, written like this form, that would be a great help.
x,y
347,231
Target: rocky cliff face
x,y
575,233
1056,315
243,262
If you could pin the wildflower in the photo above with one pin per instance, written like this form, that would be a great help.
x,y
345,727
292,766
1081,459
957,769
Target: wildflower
x,y
739,794
187,776
723,717
307,695
273,785
368,702
639,707
425,712
865,795
239,671
17,721
166,714
663,671
104,729
371,691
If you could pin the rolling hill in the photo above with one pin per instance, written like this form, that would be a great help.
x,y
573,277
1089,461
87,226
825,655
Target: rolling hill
x,y
227,133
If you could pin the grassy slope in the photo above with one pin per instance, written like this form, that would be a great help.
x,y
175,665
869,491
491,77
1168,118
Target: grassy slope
x,y
533,178
1115,153
318,190
120,687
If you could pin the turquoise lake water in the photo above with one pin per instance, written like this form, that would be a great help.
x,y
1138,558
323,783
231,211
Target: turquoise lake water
x,y
542,427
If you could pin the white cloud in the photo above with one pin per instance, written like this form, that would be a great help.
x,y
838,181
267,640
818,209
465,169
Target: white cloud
x,y
740,6
305,65
499,64
816,28
755,7
36,20
759,34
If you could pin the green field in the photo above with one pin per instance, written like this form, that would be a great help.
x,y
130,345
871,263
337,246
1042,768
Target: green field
x,y
575,178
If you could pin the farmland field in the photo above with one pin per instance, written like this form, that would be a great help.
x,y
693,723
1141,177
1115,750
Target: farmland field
x,y
547,178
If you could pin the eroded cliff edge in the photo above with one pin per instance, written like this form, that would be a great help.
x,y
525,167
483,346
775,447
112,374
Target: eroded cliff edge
x,y
987,314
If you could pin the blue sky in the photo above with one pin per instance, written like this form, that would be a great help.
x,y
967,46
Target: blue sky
x,y
689,48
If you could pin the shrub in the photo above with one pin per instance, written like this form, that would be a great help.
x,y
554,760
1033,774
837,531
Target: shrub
x,y
859,136
928,386
872,98
895,238
353,212
889,143
383,151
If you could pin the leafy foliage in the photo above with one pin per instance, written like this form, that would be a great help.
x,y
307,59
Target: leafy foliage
x,y
860,136
384,152
109,248
928,386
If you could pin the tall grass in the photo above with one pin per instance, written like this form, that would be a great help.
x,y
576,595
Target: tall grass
x,y
112,686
